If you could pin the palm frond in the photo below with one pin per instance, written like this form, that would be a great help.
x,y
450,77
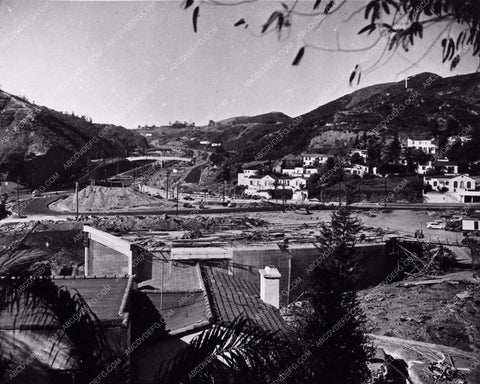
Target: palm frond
x,y
239,350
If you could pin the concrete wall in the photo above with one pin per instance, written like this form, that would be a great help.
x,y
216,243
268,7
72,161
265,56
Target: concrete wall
x,y
247,261
293,265
105,261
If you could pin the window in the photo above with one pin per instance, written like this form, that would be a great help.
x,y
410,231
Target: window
x,y
475,225
462,184
455,184
469,184
434,183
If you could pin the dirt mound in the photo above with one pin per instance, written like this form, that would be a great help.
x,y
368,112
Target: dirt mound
x,y
95,198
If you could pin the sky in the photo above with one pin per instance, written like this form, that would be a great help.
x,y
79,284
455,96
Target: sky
x,y
137,63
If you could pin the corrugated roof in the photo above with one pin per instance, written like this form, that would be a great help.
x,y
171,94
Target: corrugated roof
x,y
231,297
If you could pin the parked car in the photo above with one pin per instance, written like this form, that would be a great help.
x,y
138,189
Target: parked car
x,y
436,224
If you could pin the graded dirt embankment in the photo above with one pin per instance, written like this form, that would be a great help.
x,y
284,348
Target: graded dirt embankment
x,y
95,198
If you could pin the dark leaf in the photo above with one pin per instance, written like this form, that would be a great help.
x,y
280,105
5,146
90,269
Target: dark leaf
x,y
454,62
195,18
359,76
328,7
239,22
299,56
188,3
459,38
385,7
352,77
285,6
270,20
369,8
317,3
369,27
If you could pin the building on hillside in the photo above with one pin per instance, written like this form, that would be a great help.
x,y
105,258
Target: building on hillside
x,y
459,138
309,159
296,171
441,166
446,167
453,188
247,172
470,224
216,144
363,153
426,145
355,169
260,182
452,183
299,171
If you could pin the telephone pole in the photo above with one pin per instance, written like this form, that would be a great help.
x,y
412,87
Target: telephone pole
x,y
178,187
385,195
76,194
166,197
18,196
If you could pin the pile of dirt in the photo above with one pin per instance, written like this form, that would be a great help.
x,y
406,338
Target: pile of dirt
x,y
96,198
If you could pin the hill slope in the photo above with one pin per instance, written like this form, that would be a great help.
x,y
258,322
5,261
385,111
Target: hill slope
x,y
35,141
438,107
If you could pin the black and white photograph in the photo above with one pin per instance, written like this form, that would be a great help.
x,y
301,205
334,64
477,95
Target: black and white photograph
x,y
240,191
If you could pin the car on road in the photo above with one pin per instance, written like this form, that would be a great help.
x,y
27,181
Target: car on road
x,y
436,224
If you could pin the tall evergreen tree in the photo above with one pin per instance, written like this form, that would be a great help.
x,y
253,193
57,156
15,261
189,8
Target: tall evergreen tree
x,y
334,330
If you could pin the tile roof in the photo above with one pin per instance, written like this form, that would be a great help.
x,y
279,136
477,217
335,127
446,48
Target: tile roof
x,y
231,297
106,296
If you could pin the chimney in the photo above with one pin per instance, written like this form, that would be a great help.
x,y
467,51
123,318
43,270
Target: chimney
x,y
270,285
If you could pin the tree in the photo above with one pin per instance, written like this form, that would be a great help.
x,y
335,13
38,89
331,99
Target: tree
x,y
394,25
237,353
357,159
334,330
313,185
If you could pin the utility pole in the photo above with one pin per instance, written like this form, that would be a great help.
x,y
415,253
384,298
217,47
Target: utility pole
x,y
385,188
283,194
76,194
223,191
166,197
18,196
178,187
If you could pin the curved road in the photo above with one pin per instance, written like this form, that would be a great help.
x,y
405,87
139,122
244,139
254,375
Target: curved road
x,y
39,206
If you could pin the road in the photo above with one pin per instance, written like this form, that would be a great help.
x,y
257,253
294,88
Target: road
x,y
39,206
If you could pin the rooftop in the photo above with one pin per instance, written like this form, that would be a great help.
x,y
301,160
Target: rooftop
x,y
231,297
106,296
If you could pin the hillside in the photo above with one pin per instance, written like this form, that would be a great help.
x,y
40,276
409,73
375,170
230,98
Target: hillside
x,y
439,107
35,141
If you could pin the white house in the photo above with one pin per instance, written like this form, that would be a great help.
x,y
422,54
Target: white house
x,y
309,171
441,165
296,171
260,183
247,172
426,145
299,171
361,152
461,138
470,224
453,183
355,169
310,158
